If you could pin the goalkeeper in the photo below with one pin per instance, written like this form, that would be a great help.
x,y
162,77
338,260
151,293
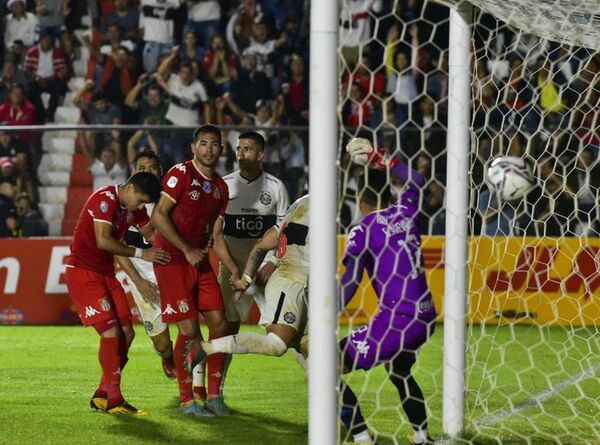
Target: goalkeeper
x,y
387,244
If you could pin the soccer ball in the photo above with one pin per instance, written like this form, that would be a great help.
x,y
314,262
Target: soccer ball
x,y
509,177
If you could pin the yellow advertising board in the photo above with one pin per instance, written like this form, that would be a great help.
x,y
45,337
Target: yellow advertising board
x,y
542,281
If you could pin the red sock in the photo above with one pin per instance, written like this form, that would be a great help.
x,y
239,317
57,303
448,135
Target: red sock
x,y
110,360
124,350
216,365
184,378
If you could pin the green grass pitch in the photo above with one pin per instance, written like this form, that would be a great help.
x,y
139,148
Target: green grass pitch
x,y
47,375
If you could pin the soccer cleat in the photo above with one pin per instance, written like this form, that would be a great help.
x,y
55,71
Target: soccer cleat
x,y
99,403
193,409
168,366
217,406
194,355
126,408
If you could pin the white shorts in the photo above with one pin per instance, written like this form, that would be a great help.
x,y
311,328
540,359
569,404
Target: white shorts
x,y
286,302
239,310
150,313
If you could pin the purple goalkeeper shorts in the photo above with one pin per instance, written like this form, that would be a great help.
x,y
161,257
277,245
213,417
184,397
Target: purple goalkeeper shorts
x,y
386,338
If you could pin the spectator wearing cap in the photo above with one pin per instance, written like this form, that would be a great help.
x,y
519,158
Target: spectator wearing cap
x,y
158,23
97,111
8,210
204,17
19,25
250,85
46,68
51,15
7,170
30,221
221,64
240,27
126,18
13,151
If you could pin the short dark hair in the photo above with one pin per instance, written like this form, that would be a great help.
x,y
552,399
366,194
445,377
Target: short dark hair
x,y
146,183
207,128
146,152
374,189
254,136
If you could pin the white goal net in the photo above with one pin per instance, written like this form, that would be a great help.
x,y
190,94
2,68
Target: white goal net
x,y
533,284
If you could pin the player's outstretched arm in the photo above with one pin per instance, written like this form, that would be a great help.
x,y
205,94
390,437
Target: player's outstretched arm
x,y
106,241
222,249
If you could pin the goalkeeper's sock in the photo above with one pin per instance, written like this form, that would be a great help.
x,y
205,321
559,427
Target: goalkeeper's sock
x,y
215,365
184,379
413,404
247,343
351,415
110,358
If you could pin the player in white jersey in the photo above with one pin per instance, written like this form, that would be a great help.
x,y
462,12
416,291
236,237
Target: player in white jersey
x,y
257,201
285,314
141,274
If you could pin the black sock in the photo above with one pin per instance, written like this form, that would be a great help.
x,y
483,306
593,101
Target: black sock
x,y
350,411
412,400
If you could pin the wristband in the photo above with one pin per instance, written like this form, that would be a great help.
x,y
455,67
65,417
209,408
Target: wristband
x,y
247,278
138,253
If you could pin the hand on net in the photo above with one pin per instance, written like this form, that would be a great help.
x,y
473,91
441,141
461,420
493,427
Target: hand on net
x,y
362,153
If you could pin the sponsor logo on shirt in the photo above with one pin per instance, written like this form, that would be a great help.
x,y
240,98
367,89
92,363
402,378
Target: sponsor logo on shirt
x,y
90,312
172,182
183,306
206,187
104,304
265,198
195,195
104,206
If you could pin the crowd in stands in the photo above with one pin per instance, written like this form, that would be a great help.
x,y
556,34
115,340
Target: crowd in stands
x,y
245,62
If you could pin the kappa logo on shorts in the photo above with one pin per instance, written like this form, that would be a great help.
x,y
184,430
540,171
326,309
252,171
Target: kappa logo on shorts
x,y
90,312
183,306
169,310
289,317
362,347
148,326
104,304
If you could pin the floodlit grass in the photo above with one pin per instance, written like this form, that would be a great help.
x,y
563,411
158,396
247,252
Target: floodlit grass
x,y
47,375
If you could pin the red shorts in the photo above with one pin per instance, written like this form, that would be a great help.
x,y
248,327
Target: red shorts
x,y
97,297
185,290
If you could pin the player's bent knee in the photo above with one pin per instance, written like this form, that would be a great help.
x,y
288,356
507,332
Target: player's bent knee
x,y
108,328
277,345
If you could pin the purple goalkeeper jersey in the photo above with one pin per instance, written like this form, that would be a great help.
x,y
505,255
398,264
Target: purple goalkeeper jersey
x,y
387,243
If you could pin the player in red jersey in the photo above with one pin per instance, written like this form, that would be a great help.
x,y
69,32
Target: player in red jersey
x,y
188,218
90,276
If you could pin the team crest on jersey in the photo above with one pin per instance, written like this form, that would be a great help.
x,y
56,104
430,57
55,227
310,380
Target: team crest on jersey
x,y
104,304
104,206
172,182
289,317
195,183
217,193
195,195
183,306
265,198
206,187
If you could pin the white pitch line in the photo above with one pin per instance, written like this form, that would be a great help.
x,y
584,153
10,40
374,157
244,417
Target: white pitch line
x,y
539,398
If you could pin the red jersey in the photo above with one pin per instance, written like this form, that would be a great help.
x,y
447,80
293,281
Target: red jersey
x,y
103,206
198,203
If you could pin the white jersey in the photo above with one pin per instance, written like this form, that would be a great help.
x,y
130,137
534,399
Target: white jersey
x,y
135,239
292,250
254,207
